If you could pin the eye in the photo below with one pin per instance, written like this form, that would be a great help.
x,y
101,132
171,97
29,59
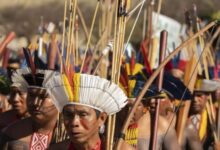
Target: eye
x,y
21,93
31,95
68,114
83,114
44,96
13,94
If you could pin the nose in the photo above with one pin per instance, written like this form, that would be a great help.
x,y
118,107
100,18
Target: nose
x,y
16,97
35,101
75,121
196,99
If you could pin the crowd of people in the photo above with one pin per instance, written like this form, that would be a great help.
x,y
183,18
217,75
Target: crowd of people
x,y
52,98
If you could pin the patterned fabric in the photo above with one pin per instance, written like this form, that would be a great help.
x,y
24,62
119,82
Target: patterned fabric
x,y
39,141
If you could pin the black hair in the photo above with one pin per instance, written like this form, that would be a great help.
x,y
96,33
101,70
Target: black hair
x,y
97,112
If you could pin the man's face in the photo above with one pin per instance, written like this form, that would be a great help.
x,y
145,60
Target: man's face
x,y
82,122
40,105
217,94
139,112
18,101
199,102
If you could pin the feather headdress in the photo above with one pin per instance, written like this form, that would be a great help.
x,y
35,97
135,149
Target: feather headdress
x,y
207,86
23,78
88,90
127,76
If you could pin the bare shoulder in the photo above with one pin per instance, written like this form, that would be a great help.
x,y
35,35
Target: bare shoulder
x,y
19,129
144,125
15,136
61,145
163,124
7,118
144,120
126,146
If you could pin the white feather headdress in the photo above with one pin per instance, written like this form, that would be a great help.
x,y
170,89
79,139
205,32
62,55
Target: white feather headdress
x,y
22,78
205,85
87,90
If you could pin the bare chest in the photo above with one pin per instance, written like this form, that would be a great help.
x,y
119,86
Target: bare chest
x,y
20,144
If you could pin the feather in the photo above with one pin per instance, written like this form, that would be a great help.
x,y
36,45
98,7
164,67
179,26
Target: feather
x,y
38,62
92,91
30,62
56,88
52,53
124,79
18,79
146,62
132,63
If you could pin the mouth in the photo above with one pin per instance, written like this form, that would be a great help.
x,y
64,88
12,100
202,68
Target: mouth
x,y
76,134
196,106
35,112
16,107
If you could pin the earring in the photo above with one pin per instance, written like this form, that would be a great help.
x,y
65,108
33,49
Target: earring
x,y
144,110
102,129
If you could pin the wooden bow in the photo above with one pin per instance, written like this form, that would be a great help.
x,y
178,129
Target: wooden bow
x,y
154,75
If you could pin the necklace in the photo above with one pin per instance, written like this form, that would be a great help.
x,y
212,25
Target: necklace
x,y
39,141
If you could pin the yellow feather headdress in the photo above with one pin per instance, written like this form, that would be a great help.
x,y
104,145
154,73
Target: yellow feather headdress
x,y
88,90
128,83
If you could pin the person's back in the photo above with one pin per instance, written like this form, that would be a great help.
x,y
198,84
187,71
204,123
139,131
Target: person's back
x,y
166,136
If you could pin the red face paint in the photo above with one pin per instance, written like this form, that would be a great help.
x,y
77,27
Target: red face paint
x,y
84,123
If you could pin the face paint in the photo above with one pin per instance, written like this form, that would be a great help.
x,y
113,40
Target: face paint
x,y
81,122
84,124
40,105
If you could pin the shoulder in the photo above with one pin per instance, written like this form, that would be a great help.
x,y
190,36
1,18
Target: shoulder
x,y
19,129
144,125
126,146
144,120
163,124
61,145
7,118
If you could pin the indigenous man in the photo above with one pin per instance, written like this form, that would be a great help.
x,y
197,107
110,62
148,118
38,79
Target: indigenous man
x,y
197,135
138,133
85,104
174,92
17,99
173,88
35,132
